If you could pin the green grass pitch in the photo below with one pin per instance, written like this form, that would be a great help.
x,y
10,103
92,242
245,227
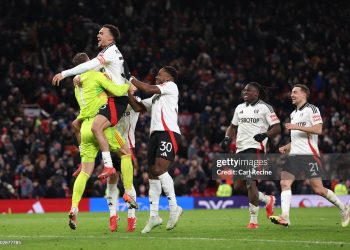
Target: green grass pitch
x,y
312,228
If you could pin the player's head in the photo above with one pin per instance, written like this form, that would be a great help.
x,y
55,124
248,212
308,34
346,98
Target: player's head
x,y
252,92
300,93
80,58
165,74
107,35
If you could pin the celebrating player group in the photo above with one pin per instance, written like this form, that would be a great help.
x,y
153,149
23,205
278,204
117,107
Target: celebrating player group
x,y
104,89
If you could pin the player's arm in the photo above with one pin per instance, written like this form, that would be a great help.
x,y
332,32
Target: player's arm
x,y
274,124
230,135
111,87
81,68
231,131
315,129
135,104
144,87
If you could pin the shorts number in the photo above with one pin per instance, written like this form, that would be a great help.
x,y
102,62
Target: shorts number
x,y
166,146
313,167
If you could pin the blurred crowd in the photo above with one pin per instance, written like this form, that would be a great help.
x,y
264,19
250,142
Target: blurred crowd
x,y
217,46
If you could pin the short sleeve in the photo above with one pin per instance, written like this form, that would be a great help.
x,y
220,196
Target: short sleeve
x,y
235,118
271,116
168,88
147,103
315,116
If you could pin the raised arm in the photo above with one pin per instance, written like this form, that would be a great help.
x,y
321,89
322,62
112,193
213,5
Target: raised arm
x,y
144,87
81,68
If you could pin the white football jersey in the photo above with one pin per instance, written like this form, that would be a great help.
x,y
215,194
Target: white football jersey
x,y
164,108
112,61
301,142
127,124
253,119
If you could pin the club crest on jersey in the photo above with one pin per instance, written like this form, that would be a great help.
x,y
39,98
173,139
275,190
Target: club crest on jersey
x,y
256,111
241,112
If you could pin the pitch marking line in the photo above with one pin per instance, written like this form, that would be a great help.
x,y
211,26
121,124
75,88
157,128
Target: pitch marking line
x,y
180,238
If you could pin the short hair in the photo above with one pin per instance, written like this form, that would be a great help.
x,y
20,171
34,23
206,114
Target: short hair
x,y
114,31
172,72
259,87
80,58
303,88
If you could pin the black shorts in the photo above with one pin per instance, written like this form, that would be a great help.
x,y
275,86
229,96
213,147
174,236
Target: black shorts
x,y
114,108
252,161
163,144
304,166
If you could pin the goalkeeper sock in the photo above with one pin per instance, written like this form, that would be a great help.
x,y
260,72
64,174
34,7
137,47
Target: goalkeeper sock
x,y
79,187
254,212
131,211
155,189
127,171
169,190
264,198
107,159
286,199
334,199
112,199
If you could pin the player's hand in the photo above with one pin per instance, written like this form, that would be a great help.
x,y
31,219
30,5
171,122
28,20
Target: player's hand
x,y
132,89
290,126
131,78
56,79
225,143
260,137
283,150
76,81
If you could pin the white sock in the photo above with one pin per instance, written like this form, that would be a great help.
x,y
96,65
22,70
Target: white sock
x,y
335,200
264,198
112,199
131,211
254,212
286,199
107,159
169,190
155,190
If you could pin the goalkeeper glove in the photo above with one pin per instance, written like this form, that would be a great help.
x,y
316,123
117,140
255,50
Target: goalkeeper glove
x,y
225,142
260,137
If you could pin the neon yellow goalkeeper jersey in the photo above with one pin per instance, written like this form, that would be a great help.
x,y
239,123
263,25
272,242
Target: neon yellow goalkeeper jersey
x,y
91,95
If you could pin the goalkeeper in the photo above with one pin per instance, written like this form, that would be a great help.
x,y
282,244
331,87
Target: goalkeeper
x,y
91,96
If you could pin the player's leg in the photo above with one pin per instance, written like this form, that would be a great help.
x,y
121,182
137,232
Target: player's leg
x,y
269,200
88,153
286,182
155,187
317,186
78,190
253,197
117,144
132,214
98,127
108,115
76,125
112,201
167,148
